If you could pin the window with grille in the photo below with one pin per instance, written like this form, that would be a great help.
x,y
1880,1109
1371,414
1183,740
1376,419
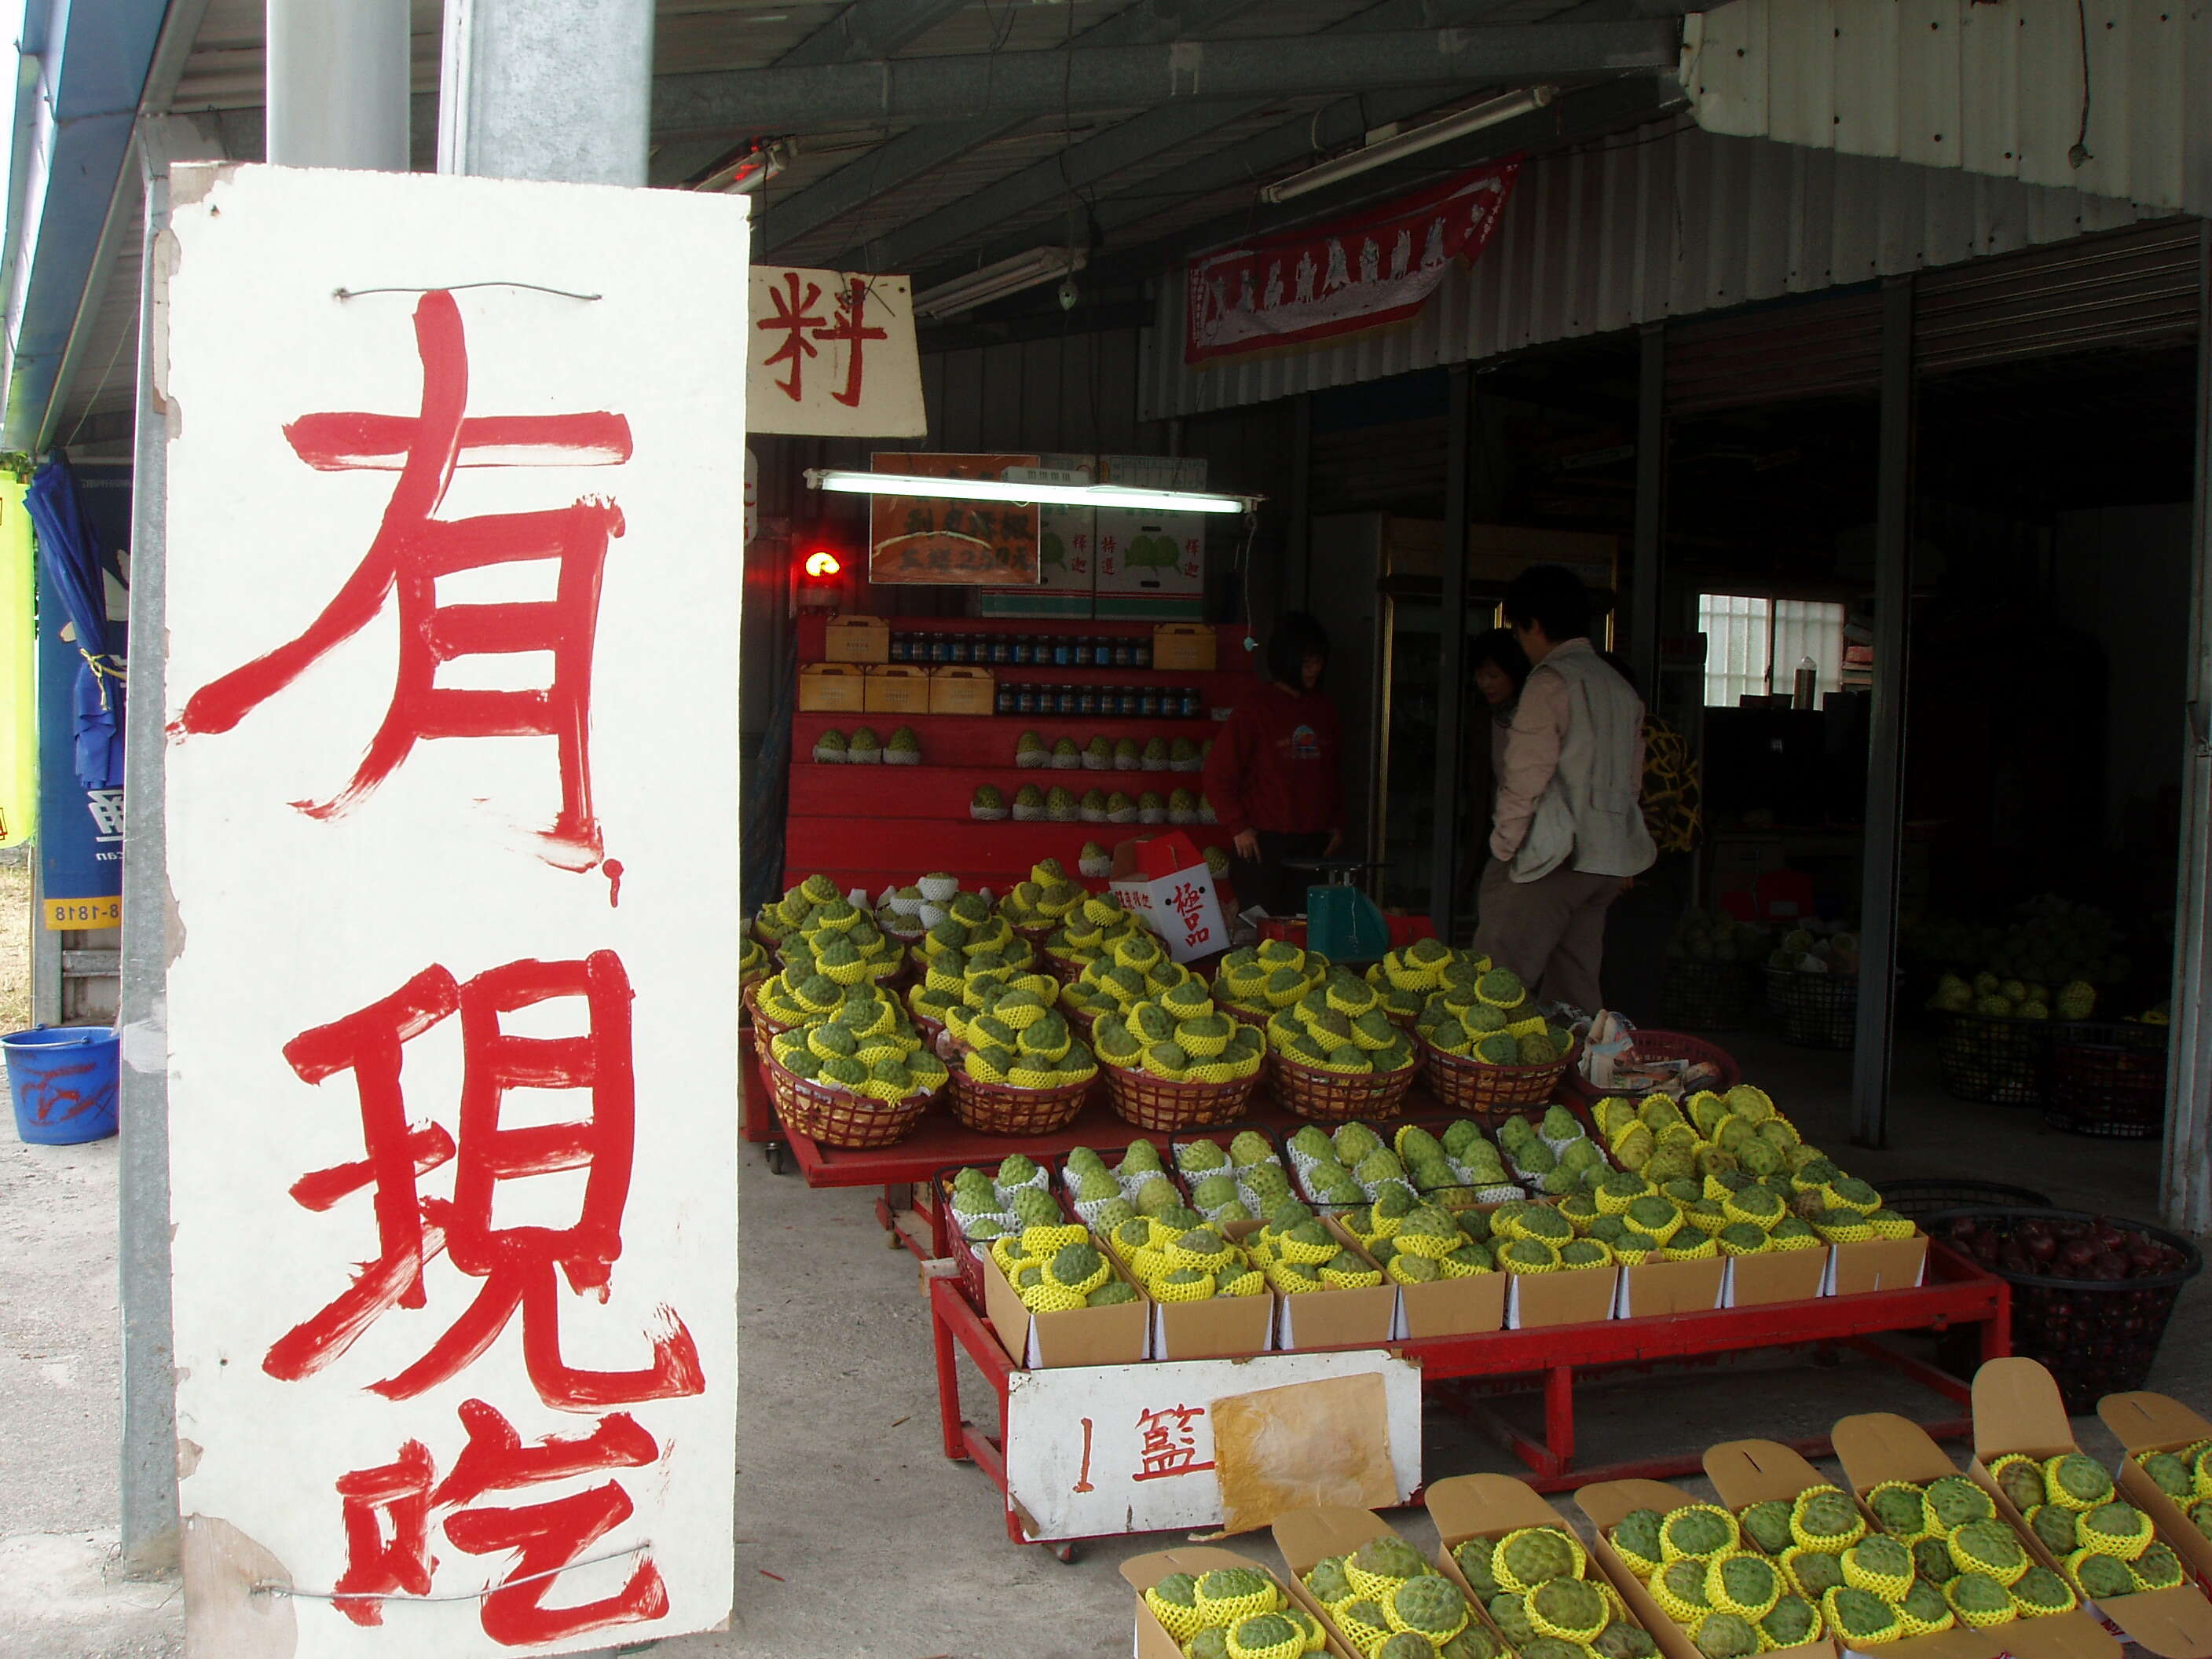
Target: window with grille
x,y
1754,643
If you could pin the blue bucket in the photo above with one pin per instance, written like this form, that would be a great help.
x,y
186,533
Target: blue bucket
x,y
63,1080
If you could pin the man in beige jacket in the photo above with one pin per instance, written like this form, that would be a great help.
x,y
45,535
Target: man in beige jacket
x,y
1568,829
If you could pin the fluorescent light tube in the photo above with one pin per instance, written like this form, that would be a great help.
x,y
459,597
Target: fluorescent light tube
x,y
1386,150
1023,271
998,489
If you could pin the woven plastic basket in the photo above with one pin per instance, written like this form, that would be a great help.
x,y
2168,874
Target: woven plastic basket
x,y
1160,1107
1707,996
1332,1098
1819,1011
832,1117
1000,1109
2003,1061
2108,1078
1469,1086
1255,1018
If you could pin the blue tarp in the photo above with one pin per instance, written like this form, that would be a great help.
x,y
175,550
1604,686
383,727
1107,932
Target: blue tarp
x,y
71,570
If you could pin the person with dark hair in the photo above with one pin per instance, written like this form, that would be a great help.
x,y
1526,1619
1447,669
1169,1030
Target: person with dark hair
x,y
1568,827
1272,776
1499,668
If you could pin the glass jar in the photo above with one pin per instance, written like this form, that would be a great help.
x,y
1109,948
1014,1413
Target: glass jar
x,y
1187,701
1063,652
1065,704
1002,650
1084,656
1086,700
1003,702
1129,702
1148,705
901,648
1140,650
939,650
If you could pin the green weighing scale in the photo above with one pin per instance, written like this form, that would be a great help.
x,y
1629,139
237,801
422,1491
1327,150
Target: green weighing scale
x,y
1342,922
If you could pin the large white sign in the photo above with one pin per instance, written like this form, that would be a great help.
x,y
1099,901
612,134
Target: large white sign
x,y
454,511
832,352
1093,1449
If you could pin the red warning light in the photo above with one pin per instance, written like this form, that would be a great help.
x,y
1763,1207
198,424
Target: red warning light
x,y
823,564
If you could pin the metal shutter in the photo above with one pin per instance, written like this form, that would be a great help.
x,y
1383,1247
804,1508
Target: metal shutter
x,y
1778,354
2133,288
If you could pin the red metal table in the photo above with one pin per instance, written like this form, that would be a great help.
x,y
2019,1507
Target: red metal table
x,y
1956,1293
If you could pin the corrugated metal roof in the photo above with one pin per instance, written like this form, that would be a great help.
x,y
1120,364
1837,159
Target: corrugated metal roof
x,y
1664,221
2007,90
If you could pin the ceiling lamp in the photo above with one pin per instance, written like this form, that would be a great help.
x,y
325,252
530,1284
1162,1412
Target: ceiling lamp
x,y
1384,151
1023,271
1025,492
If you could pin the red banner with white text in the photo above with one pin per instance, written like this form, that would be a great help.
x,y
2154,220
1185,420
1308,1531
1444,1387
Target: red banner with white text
x,y
1326,281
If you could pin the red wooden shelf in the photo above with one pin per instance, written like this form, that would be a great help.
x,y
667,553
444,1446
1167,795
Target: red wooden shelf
x,y
944,792
989,740
873,853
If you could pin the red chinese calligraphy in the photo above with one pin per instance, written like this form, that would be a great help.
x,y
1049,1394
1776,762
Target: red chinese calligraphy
x,y
545,1537
377,1565
850,327
792,314
1168,1444
413,549
795,319
518,1265
1189,904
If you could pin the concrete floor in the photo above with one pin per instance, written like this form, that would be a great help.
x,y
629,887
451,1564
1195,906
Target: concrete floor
x,y
844,1502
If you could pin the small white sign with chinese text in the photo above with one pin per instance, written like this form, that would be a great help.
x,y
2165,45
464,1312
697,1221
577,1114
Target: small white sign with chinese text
x,y
832,352
1093,1450
453,590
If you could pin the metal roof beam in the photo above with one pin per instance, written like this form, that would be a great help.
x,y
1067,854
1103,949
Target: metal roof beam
x,y
1020,85
1097,160
911,155
868,28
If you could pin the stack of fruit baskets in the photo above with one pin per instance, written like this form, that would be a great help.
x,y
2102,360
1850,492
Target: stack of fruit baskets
x,y
1484,1044
955,951
2106,1546
1178,1256
1081,955
846,1065
1173,1060
1355,1167
1712,962
1996,1034
1541,1593
1385,1600
1405,979
1236,1612
1257,981
1020,1071
1337,1053
1041,907
1241,1181
815,926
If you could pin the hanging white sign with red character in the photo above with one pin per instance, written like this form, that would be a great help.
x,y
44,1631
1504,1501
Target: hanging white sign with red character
x,y
1368,271
452,1136
831,353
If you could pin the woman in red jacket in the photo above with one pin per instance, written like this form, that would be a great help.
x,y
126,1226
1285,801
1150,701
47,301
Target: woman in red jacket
x,y
1272,774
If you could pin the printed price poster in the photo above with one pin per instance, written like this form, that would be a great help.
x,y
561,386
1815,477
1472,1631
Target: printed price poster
x,y
929,539
451,1103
